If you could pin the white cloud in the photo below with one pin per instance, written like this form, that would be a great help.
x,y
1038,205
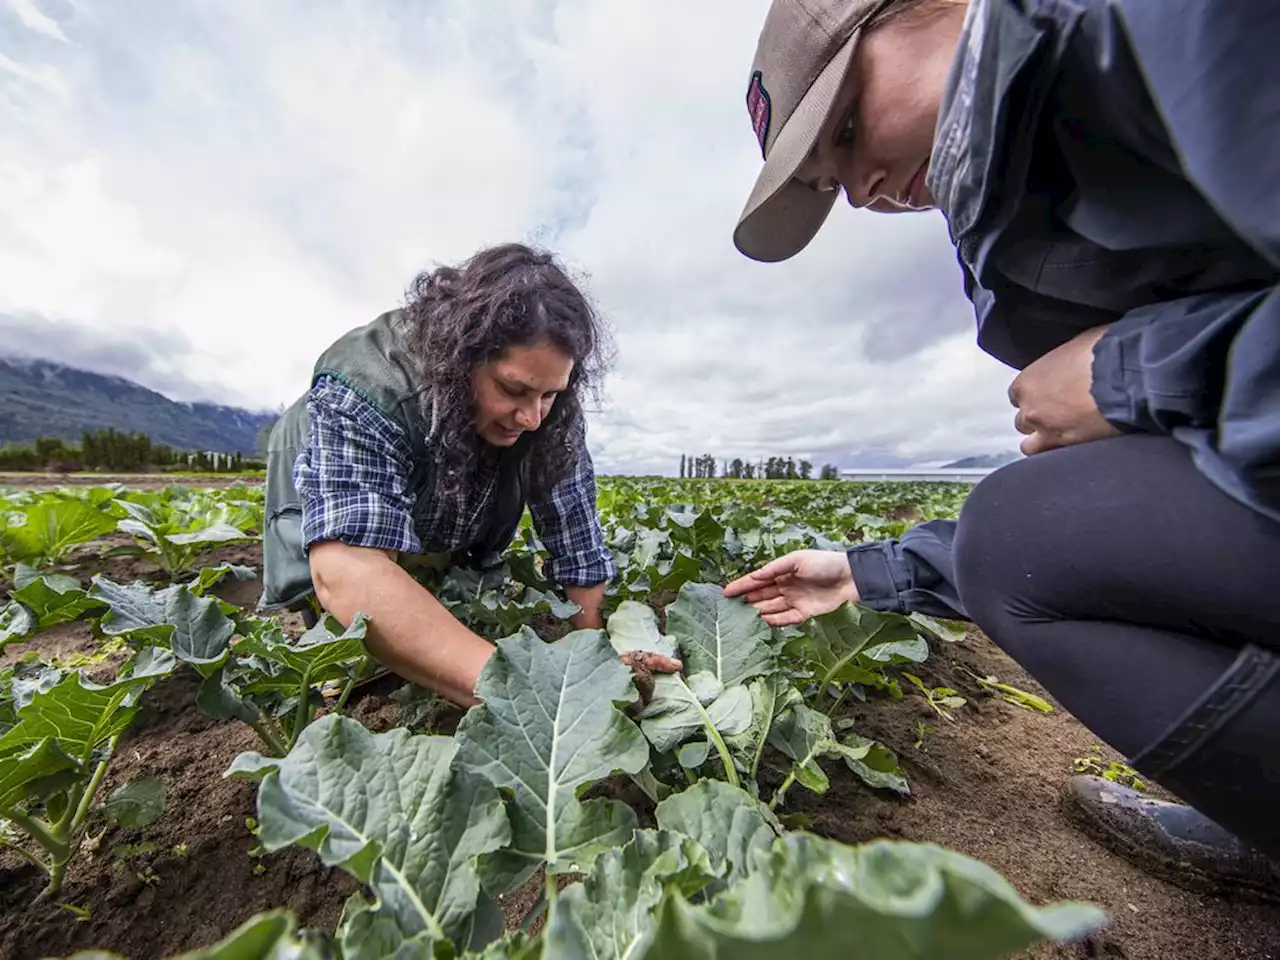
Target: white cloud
x,y
29,16
257,178
26,82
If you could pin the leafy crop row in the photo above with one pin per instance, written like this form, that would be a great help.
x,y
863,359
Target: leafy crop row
x,y
438,830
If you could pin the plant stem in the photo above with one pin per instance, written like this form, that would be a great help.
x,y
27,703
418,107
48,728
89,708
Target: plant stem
x,y
65,834
782,789
355,678
262,726
551,890
302,716
764,735
346,692
641,781
844,692
730,774
755,760
74,817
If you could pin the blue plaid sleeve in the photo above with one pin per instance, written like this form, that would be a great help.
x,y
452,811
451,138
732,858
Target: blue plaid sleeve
x,y
569,527
353,474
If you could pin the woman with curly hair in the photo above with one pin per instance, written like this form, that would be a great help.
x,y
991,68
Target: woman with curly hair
x,y
426,432
1109,173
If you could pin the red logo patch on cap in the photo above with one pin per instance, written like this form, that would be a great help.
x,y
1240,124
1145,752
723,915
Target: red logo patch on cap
x,y
759,106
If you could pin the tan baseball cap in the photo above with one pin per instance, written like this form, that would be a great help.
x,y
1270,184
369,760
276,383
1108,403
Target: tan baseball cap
x,y
804,53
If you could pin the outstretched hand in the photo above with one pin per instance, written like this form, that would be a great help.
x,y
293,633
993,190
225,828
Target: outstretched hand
x,y
644,665
795,587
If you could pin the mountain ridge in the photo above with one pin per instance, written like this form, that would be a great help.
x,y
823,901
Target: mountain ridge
x,y
45,398
982,461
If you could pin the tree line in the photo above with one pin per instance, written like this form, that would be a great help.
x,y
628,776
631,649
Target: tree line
x,y
117,452
706,467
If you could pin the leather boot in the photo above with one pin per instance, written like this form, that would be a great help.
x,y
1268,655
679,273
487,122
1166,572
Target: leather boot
x,y
1171,841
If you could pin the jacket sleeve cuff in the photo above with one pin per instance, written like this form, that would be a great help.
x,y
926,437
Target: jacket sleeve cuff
x,y
1118,387
878,576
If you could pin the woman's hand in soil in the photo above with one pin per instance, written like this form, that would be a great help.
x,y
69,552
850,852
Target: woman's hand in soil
x,y
644,665
800,585
1055,400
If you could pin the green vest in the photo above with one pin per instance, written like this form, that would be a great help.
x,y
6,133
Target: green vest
x,y
371,361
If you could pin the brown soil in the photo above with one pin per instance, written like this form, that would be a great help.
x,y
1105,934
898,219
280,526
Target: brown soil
x,y
989,785
986,785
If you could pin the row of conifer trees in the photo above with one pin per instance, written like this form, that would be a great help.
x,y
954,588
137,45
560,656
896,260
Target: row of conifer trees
x,y
706,467
114,451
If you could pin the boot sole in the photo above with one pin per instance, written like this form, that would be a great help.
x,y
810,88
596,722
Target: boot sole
x,y
1183,875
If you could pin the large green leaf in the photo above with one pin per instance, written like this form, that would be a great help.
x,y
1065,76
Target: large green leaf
x,y
830,644
722,636
266,936
725,821
194,628
145,515
673,574
609,915
516,945
634,627
81,715
873,762
210,577
218,532
51,527
548,726
811,897
16,623
771,697
913,650
322,652
950,631
28,679
700,532
7,719
52,597
804,735
391,810
138,803
680,709
22,768
648,546
219,698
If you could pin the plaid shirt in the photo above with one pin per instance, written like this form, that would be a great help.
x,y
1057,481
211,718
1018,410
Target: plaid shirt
x,y
352,479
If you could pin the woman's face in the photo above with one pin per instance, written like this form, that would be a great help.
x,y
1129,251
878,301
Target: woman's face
x,y
877,141
515,392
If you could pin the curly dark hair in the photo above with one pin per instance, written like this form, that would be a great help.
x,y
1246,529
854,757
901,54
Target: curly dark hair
x,y
457,318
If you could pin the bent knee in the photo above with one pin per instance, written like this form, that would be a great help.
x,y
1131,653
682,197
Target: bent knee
x,y
993,537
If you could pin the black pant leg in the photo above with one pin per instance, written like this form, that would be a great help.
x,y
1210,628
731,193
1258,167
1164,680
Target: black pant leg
x,y
1129,586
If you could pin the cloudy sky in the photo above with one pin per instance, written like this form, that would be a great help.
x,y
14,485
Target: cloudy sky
x,y
202,194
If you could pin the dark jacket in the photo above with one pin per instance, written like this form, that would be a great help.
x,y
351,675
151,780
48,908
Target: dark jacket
x,y
1117,162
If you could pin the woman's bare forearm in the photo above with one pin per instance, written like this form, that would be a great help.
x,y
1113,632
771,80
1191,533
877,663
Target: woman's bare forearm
x,y
589,599
410,631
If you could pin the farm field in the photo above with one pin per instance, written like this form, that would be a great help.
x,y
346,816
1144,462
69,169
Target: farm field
x,y
134,674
